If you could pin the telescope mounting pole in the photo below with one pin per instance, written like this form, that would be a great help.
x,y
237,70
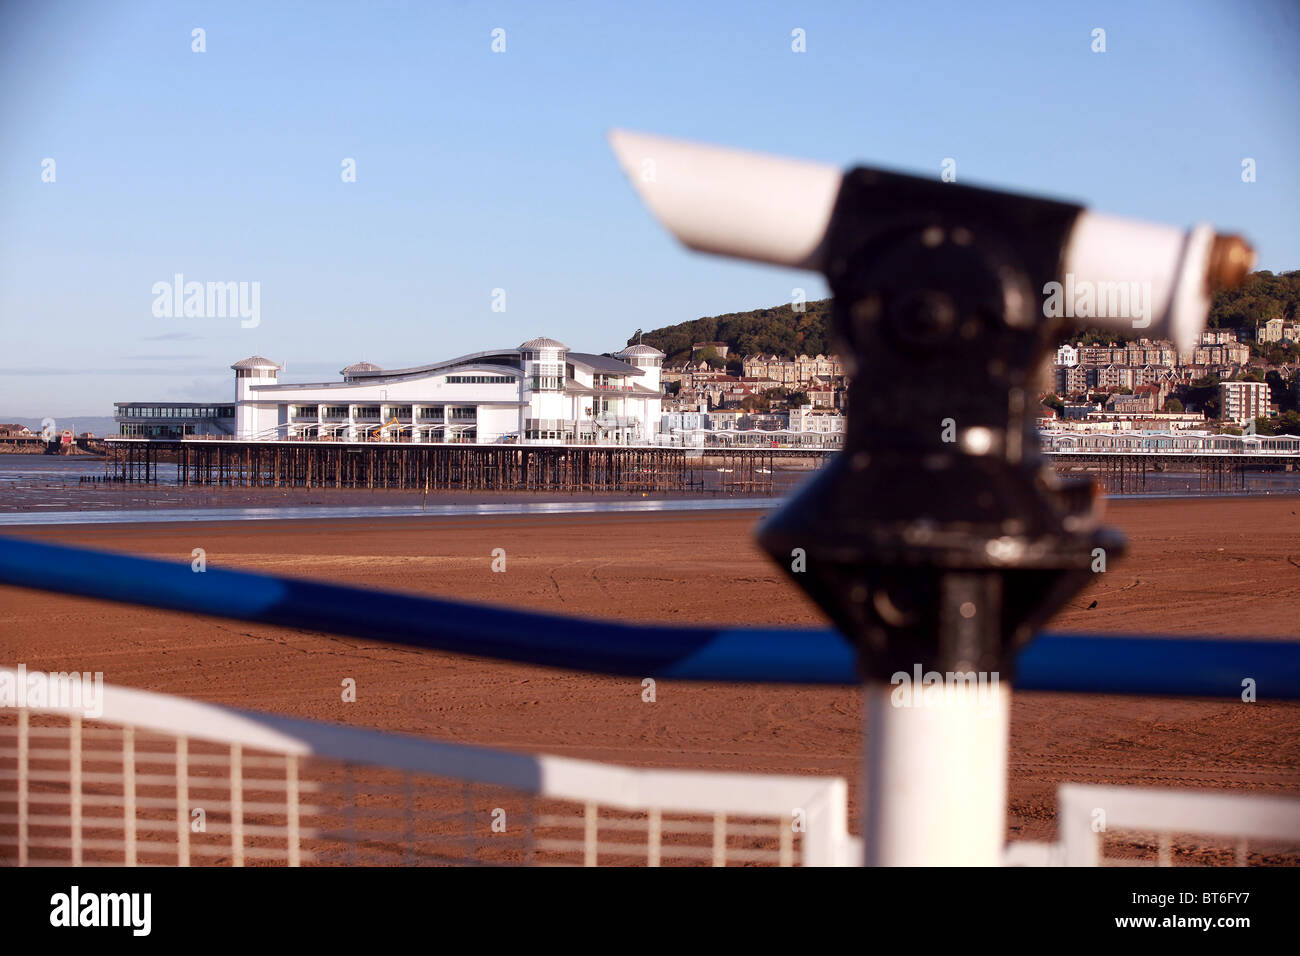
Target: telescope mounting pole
x,y
939,540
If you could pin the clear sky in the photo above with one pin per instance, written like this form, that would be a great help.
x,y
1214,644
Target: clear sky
x,y
478,170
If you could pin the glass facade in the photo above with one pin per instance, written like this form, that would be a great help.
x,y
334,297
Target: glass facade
x,y
548,376
142,430
480,380
187,411
548,429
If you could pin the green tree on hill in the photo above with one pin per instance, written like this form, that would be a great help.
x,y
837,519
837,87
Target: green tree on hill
x,y
1261,297
1203,395
1281,390
708,356
1280,353
780,330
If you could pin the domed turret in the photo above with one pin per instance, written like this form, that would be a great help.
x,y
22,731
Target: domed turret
x,y
256,362
542,342
350,374
645,357
250,372
543,361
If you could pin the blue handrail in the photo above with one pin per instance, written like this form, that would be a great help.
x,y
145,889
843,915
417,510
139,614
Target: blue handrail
x,y
1055,662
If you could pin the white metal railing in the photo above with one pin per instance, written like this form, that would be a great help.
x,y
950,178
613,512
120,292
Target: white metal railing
x,y
132,785
162,779
1087,815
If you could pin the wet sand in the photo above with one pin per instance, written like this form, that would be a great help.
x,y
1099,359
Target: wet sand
x,y
1195,566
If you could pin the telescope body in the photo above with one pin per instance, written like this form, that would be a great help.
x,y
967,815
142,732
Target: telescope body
x,y
939,540
1121,274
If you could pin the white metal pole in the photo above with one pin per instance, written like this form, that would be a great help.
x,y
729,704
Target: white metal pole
x,y
935,767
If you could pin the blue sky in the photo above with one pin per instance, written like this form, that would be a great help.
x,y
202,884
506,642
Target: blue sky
x,y
478,171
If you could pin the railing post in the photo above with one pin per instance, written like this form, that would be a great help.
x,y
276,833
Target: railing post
x,y
825,840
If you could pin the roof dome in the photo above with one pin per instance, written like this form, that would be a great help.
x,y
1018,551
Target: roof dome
x,y
639,349
360,367
255,361
542,342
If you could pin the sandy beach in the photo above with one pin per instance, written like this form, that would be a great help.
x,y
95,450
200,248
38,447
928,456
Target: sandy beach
x,y
1195,566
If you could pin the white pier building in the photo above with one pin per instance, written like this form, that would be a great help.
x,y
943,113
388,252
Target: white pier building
x,y
538,393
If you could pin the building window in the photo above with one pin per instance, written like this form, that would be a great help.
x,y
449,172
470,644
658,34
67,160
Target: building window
x,y
547,375
480,380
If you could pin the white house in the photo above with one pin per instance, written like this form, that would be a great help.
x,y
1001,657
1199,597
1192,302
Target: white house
x,y
808,420
1067,355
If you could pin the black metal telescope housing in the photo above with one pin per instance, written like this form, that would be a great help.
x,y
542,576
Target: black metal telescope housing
x,y
940,536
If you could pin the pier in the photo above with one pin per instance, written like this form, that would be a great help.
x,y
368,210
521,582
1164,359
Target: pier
x,y
1125,472
592,468
439,467
1122,461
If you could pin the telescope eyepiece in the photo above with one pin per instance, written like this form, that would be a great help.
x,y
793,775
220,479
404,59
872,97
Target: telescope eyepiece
x,y
1231,259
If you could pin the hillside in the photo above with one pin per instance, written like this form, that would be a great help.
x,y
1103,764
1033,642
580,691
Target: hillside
x,y
778,330
783,331
1263,296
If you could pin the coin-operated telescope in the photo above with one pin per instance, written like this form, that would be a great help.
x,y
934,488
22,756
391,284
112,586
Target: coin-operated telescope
x,y
939,540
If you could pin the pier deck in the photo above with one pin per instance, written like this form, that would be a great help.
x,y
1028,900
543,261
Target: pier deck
x,y
435,467
579,468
